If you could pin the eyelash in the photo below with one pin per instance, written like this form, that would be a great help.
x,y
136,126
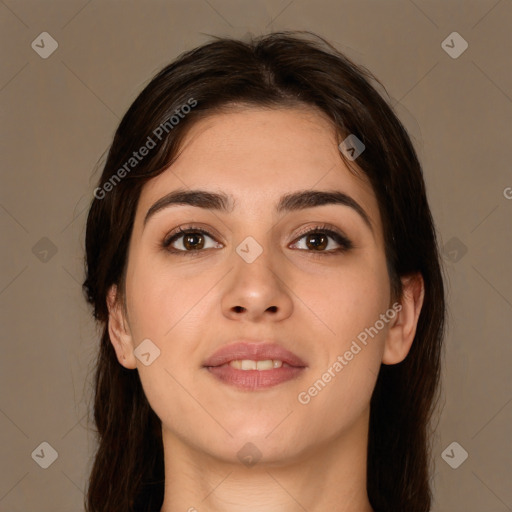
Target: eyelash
x,y
340,239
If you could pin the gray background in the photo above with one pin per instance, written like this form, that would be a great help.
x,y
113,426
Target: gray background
x,y
59,115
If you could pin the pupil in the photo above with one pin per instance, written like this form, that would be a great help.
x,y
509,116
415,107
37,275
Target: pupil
x,y
319,241
191,239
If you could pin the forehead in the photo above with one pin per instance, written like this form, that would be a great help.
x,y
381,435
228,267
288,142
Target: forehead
x,y
256,155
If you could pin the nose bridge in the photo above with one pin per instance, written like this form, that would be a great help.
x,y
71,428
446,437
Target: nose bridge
x,y
255,286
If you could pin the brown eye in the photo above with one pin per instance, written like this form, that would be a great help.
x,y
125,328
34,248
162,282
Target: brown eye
x,y
189,240
317,241
193,241
320,240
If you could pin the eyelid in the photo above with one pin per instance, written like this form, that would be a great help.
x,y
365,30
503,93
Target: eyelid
x,y
330,230
183,230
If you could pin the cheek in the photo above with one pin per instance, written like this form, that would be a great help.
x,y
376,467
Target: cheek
x,y
161,299
348,299
351,337
162,307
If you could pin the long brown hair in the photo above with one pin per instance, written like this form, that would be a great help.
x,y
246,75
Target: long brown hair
x,y
280,69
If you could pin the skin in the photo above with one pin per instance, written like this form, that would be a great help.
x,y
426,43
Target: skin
x,y
313,456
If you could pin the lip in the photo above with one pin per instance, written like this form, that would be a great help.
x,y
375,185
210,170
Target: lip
x,y
256,351
252,380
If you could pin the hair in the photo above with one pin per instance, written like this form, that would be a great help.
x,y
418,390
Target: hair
x,y
279,70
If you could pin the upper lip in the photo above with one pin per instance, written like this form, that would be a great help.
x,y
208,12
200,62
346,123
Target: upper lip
x,y
260,351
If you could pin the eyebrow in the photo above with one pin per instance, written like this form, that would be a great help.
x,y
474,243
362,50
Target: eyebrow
x,y
294,201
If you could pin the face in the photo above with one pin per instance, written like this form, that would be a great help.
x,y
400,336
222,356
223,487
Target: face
x,y
252,273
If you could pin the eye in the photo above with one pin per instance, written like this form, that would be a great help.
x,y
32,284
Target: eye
x,y
190,239
319,239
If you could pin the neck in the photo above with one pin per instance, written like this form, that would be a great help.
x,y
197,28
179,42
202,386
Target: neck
x,y
324,477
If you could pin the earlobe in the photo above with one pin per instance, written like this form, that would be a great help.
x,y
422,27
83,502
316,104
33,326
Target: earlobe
x,y
401,333
119,331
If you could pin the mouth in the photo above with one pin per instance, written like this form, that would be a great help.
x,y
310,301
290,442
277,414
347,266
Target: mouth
x,y
252,366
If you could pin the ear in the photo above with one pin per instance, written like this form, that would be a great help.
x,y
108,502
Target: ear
x,y
401,333
119,331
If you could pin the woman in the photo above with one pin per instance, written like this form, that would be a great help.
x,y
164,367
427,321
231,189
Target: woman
x,y
263,262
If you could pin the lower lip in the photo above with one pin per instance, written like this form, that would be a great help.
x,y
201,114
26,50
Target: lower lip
x,y
255,379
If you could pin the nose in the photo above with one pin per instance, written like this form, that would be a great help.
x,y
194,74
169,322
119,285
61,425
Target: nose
x,y
257,291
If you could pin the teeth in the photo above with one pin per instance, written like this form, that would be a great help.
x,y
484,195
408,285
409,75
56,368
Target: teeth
x,y
248,364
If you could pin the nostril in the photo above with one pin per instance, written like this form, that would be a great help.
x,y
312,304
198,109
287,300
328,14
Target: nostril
x,y
239,309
